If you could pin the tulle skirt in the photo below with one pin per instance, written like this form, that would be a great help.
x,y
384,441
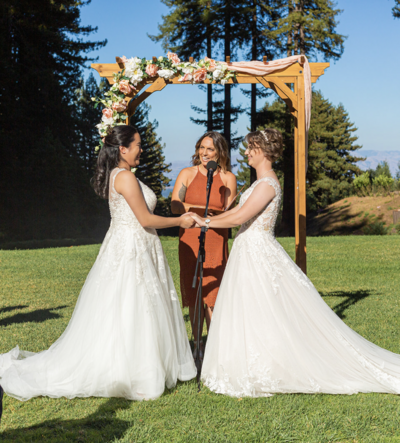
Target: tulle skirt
x,y
126,337
271,332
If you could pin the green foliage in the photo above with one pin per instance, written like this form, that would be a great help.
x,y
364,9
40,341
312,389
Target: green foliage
x,y
376,228
396,9
397,228
383,169
243,173
38,293
362,181
152,168
398,172
306,27
44,183
332,142
383,180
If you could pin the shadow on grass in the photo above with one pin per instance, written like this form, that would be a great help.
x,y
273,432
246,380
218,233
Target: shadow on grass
x,y
102,425
38,316
12,308
351,298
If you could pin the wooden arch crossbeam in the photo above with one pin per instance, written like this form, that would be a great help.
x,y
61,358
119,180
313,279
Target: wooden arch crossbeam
x,y
278,81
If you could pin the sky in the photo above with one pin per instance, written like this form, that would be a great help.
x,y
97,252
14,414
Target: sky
x,y
364,80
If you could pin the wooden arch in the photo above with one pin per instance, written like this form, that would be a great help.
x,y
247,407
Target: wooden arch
x,y
278,81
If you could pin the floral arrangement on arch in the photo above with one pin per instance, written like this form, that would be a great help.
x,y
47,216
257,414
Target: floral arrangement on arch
x,y
137,69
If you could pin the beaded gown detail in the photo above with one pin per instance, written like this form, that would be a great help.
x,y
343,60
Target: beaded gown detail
x,y
126,337
272,332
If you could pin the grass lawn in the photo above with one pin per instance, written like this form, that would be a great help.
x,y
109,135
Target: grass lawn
x,y
358,276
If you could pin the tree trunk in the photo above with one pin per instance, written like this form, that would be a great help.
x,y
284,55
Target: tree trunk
x,y
253,99
227,95
209,87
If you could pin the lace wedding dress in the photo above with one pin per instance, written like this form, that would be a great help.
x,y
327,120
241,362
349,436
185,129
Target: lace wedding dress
x,y
126,337
271,332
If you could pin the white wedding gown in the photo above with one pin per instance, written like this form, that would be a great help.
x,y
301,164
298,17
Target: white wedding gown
x,y
271,332
126,337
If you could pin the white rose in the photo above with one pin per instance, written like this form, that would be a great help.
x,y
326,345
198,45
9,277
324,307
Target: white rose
x,y
166,73
137,76
107,121
161,58
217,74
132,65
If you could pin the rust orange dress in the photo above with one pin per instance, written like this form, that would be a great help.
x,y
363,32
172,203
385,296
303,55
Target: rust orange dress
x,y
216,244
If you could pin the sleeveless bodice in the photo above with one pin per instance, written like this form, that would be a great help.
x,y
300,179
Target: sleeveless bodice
x,y
121,213
266,219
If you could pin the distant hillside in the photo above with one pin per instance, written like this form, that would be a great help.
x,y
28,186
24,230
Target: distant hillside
x,y
352,215
376,157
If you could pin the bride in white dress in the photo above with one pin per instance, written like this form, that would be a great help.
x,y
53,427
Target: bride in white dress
x,y
271,331
126,337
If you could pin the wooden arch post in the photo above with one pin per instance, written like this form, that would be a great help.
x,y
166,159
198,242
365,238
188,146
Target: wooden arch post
x,y
278,81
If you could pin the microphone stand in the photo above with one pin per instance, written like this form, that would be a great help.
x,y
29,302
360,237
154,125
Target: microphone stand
x,y
201,258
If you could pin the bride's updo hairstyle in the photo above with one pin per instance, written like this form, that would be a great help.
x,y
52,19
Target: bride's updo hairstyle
x,y
110,156
269,140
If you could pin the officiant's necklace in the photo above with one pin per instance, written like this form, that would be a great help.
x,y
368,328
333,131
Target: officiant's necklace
x,y
265,174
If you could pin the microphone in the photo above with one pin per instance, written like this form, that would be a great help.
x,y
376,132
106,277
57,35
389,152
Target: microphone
x,y
211,167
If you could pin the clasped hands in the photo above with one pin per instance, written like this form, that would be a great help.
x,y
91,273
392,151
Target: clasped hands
x,y
192,220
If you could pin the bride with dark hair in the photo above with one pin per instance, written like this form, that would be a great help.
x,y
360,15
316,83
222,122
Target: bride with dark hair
x,y
126,337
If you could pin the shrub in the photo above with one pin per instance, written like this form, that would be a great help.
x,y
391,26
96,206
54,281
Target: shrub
x,y
397,227
376,228
362,181
384,181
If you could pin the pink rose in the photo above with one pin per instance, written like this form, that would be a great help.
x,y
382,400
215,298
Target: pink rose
x,y
200,75
107,113
119,107
124,87
123,59
174,58
213,65
152,70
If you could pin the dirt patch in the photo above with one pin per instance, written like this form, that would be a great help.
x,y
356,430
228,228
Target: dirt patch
x,y
352,215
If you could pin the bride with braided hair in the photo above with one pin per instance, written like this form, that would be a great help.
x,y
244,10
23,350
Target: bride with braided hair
x,y
271,331
126,337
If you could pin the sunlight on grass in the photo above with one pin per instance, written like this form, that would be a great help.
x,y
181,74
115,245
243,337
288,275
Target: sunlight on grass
x,y
357,276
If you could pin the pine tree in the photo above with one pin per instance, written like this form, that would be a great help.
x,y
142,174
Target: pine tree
x,y
383,168
243,173
301,27
41,57
332,142
396,9
206,27
152,168
88,117
189,30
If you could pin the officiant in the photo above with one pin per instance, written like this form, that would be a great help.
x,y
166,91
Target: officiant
x,y
189,194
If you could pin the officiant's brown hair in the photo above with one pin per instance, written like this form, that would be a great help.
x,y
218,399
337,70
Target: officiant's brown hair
x,y
221,147
269,140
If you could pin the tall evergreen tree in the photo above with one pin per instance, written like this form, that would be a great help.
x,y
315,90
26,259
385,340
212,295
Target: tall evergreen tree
x,y
41,57
87,118
301,27
396,9
152,168
206,27
332,143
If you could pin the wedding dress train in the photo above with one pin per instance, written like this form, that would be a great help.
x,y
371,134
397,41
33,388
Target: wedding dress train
x,y
126,337
271,332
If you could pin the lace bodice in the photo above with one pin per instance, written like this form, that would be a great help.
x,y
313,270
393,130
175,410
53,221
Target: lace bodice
x,y
266,219
121,213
